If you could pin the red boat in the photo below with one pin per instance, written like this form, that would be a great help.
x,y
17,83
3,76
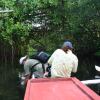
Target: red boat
x,y
58,89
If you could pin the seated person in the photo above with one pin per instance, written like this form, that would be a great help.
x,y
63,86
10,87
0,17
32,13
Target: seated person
x,y
63,61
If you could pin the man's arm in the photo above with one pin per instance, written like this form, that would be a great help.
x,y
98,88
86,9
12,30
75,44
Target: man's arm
x,y
75,64
26,78
27,72
51,59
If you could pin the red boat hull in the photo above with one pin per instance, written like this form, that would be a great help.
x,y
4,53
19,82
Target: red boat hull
x,y
58,89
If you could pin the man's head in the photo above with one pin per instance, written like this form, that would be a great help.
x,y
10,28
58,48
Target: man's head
x,y
67,45
22,59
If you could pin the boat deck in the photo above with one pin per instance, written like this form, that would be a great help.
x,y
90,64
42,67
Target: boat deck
x,y
58,89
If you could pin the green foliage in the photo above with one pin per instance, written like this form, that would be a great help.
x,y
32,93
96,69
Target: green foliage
x,y
77,20
97,53
47,23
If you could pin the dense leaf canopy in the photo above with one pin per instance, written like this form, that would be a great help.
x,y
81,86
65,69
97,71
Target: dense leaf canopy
x,y
47,23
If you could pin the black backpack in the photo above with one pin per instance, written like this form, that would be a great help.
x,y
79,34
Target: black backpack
x,y
43,57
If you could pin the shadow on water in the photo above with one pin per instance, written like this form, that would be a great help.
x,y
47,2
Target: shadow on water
x,y
9,81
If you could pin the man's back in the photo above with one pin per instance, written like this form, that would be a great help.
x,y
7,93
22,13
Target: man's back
x,y
74,59
35,64
62,63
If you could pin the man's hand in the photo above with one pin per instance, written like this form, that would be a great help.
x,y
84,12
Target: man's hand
x,y
45,74
27,77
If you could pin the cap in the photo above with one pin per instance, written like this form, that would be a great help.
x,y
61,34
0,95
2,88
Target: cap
x,y
22,59
68,44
